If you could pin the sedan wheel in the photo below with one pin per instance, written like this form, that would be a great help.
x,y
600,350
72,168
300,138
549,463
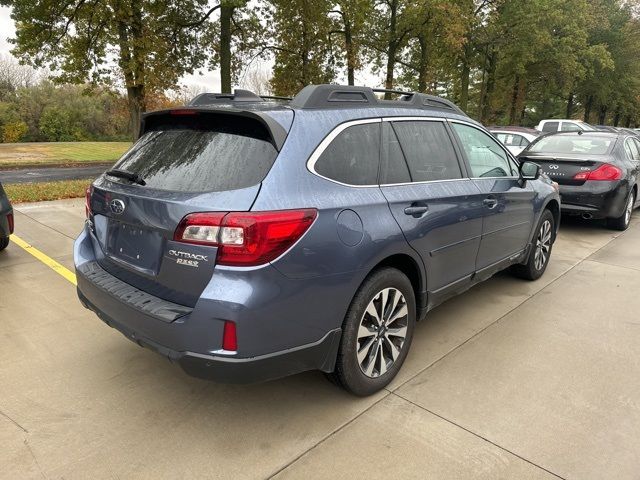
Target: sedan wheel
x,y
624,220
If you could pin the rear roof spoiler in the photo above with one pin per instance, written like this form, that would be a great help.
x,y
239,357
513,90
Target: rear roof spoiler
x,y
275,129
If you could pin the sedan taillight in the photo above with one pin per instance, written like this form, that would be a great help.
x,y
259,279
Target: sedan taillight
x,y
11,224
605,172
246,238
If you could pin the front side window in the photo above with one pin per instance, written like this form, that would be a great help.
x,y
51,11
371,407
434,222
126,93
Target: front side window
x,y
428,150
486,158
353,156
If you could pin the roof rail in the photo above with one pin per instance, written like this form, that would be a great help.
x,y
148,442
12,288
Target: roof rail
x,y
238,95
343,96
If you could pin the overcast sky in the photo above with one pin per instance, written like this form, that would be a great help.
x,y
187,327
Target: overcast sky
x,y
203,80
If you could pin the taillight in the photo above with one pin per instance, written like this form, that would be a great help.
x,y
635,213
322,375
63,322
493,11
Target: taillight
x,y
87,200
229,337
246,238
606,172
10,220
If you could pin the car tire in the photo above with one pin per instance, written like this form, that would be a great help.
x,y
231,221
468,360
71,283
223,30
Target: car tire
x,y
541,249
4,243
623,221
372,350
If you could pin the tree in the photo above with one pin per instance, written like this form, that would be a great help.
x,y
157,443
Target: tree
x,y
301,30
434,42
144,45
350,18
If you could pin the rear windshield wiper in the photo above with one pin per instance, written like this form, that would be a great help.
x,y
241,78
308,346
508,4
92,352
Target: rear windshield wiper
x,y
134,177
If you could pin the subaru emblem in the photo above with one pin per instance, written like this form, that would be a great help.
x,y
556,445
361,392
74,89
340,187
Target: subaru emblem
x,y
116,206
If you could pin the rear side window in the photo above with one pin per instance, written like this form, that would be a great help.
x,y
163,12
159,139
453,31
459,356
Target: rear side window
x,y
428,150
550,126
632,149
200,153
353,156
394,167
570,127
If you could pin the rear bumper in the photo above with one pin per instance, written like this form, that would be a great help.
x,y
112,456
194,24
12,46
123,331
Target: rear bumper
x,y
275,338
316,356
596,199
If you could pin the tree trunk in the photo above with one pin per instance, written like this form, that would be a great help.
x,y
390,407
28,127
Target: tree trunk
x,y
570,105
602,114
627,121
587,108
616,116
351,54
423,67
488,91
136,102
132,63
464,85
515,101
226,12
392,49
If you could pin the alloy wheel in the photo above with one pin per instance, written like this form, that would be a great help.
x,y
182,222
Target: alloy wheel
x,y
543,245
629,210
382,332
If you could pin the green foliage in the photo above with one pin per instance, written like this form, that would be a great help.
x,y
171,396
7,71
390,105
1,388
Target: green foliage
x,y
503,61
14,131
301,31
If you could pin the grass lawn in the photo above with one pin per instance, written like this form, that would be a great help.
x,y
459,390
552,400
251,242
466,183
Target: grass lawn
x,y
27,155
38,192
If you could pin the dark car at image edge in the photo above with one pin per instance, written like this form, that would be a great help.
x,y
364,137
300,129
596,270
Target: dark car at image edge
x,y
6,219
597,172
248,240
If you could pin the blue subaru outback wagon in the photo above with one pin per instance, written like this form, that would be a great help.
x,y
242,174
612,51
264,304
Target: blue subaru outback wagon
x,y
248,239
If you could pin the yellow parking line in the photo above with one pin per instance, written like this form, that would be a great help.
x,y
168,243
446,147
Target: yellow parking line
x,y
48,261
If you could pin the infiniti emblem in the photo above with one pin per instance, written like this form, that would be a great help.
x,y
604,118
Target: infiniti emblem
x,y
553,167
116,206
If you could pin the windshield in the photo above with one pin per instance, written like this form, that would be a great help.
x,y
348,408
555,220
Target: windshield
x,y
586,144
200,153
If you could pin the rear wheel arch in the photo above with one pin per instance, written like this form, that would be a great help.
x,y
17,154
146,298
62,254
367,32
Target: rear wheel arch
x,y
410,268
554,207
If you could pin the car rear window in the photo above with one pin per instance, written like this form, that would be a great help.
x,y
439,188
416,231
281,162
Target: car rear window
x,y
200,152
590,145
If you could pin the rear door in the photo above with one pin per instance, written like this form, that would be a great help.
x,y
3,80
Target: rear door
x,y
430,198
507,203
189,163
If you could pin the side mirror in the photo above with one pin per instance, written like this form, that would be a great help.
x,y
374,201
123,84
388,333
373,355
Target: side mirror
x,y
529,171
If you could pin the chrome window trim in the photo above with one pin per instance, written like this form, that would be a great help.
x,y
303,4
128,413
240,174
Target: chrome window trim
x,y
413,119
462,179
319,150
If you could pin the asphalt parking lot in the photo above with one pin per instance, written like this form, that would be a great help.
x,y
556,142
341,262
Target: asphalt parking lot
x,y
511,380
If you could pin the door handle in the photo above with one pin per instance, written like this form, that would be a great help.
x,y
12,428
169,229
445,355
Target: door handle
x,y
490,202
416,211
